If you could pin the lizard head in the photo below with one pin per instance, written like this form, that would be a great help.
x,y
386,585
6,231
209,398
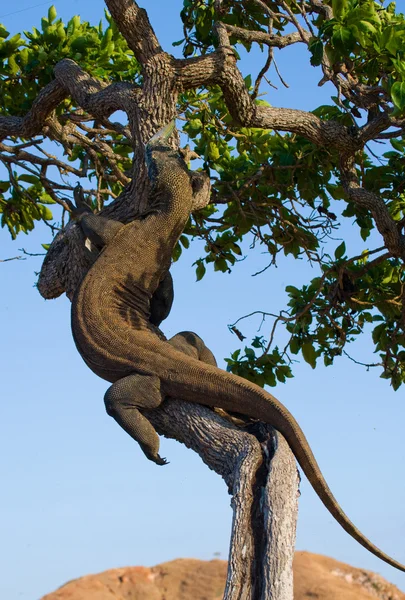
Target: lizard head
x,y
159,153
166,168
157,149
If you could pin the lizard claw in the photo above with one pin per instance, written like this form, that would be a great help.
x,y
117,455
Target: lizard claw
x,y
156,458
82,204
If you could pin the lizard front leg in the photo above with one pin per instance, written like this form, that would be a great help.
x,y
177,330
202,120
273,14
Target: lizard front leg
x,y
124,399
162,300
99,230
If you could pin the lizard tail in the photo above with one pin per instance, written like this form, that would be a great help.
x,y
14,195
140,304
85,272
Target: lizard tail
x,y
205,384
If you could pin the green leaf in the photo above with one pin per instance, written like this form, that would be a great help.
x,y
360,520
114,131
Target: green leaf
x,y
3,32
398,94
339,8
29,178
184,240
46,198
340,251
342,38
213,151
265,360
220,264
107,37
195,124
390,40
250,353
257,342
397,144
177,252
60,32
188,50
378,332
235,354
46,246
391,154
309,354
13,66
365,27
270,378
389,275
364,233
79,44
23,56
46,212
294,346
14,42
396,382
292,291
52,13
200,271
315,46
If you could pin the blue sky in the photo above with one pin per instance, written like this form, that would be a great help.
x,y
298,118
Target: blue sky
x,y
78,496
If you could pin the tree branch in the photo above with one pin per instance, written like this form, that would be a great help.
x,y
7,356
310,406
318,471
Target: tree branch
x,y
134,24
394,240
373,128
30,125
96,97
244,110
18,155
260,37
91,94
322,133
200,71
319,7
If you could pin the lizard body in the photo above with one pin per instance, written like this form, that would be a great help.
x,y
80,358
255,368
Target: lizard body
x,y
113,332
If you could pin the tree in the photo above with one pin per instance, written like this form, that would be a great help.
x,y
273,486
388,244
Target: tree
x,y
259,159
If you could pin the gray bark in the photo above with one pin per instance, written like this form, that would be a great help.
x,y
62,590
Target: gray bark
x,y
260,471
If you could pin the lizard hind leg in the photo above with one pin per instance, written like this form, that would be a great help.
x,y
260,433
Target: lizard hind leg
x,y
123,400
191,344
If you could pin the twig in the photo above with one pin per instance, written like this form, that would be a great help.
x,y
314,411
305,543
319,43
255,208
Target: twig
x,y
13,258
263,71
31,253
285,84
367,365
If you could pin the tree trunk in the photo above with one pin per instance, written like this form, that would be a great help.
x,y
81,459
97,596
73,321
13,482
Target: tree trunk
x,y
262,478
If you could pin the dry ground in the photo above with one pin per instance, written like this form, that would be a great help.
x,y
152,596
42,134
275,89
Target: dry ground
x,y
316,578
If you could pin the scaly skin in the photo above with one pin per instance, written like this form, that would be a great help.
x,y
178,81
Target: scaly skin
x,y
112,331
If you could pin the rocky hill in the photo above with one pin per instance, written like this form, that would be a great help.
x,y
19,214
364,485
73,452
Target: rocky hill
x,y
316,578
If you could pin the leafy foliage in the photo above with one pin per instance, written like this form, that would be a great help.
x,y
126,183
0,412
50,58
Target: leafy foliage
x,y
266,369
26,66
264,178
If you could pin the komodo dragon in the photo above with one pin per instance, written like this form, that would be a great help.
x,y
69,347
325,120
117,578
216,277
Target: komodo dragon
x,y
113,333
